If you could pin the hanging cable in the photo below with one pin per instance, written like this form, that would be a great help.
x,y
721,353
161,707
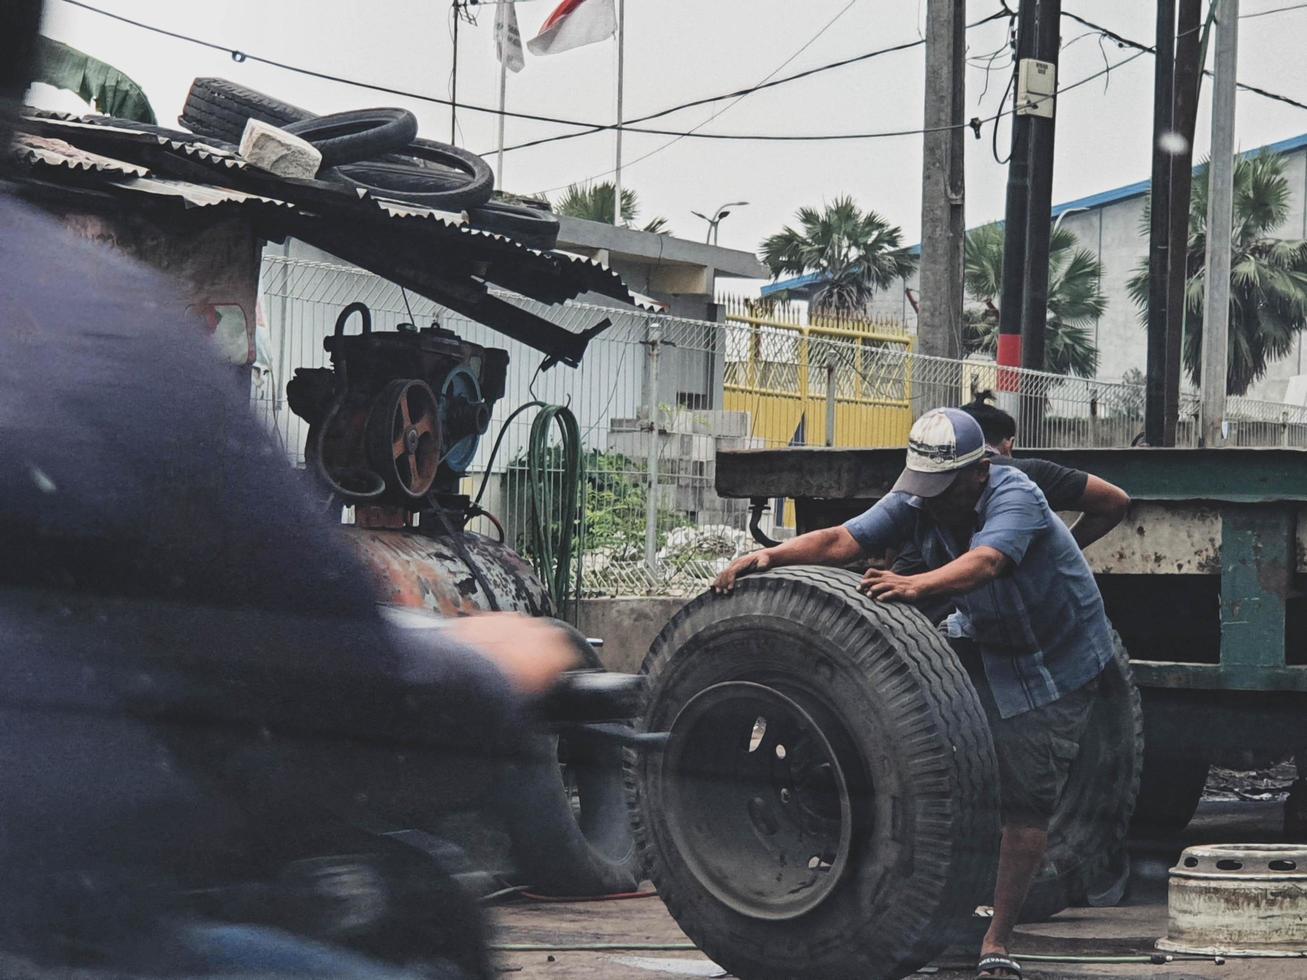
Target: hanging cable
x,y
768,82
555,510
587,128
1142,48
1007,90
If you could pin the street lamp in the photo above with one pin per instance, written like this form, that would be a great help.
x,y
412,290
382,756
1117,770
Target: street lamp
x,y
716,219
1058,223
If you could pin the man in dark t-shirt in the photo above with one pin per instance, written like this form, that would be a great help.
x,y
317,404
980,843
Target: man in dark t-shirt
x,y
1102,505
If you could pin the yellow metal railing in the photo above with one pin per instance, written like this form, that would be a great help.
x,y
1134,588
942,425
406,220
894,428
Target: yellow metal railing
x,y
778,370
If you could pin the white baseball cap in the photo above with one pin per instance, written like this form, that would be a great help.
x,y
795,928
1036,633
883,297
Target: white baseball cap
x,y
942,443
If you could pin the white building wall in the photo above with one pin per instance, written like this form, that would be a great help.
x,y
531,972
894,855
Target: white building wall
x,y
1114,234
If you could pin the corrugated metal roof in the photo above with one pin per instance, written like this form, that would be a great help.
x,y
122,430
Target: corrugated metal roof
x,y
50,152
436,253
197,195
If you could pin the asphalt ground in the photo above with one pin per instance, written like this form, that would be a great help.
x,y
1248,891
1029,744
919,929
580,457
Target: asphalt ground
x,y
1128,929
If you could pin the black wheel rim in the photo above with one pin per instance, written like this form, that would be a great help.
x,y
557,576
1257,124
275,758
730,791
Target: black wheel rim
x,y
757,801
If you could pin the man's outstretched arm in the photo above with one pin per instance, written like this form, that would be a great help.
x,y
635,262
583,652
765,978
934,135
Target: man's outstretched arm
x,y
827,546
1103,506
964,574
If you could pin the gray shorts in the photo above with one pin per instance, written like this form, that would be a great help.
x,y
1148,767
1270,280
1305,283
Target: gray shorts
x,y
1035,749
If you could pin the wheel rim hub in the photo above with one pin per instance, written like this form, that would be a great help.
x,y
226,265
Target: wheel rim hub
x,y
756,800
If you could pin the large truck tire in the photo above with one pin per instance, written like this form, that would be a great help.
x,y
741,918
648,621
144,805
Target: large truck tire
x,y
1174,774
1088,833
827,804
566,811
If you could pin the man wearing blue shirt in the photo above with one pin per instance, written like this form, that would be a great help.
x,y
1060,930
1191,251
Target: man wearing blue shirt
x,y
1028,612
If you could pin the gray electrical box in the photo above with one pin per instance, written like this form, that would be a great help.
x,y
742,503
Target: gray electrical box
x,y
1036,87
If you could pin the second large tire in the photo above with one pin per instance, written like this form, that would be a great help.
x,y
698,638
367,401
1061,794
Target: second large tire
x,y
1092,821
1174,774
571,835
848,828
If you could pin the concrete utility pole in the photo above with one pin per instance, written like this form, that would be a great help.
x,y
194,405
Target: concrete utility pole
x,y
943,218
1220,221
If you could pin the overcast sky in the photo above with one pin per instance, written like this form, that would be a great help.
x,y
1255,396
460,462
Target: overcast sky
x,y
678,50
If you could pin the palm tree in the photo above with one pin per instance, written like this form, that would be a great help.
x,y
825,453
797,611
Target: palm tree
x,y
594,202
1074,299
1268,276
855,252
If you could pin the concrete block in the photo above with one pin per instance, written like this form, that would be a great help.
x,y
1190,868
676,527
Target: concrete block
x,y
278,151
627,626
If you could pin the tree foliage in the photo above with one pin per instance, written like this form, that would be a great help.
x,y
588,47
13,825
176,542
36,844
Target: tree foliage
x,y
1075,299
1268,275
856,253
594,202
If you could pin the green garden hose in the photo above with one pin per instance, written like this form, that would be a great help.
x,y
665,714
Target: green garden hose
x,y
555,496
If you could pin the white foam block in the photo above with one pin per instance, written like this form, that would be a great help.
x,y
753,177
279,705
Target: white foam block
x,y
285,154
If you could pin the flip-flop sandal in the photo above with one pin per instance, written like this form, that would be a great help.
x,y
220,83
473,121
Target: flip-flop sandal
x,y
988,964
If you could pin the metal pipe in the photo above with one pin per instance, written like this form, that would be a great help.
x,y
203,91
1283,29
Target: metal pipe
x,y
651,458
621,71
756,506
831,363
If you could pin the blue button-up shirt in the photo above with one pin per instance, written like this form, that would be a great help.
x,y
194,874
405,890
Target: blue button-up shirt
x,y
1041,628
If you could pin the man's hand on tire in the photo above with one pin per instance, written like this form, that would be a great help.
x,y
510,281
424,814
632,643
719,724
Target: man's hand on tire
x,y
758,561
887,586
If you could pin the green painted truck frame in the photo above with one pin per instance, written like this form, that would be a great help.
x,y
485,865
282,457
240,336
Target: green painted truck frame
x,y
1204,579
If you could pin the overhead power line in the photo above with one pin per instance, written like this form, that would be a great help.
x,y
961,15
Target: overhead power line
x,y
1273,10
241,56
766,83
1149,49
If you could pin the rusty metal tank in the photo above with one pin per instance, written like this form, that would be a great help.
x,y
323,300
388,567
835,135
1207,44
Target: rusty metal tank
x,y
419,571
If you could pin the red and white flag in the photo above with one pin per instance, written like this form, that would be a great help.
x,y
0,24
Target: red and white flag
x,y
574,23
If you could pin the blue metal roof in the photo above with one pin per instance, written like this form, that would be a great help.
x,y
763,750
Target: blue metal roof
x,y
1101,199
798,282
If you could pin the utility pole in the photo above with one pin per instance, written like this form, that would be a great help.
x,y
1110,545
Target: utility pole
x,y
1156,431
1034,301
1184,120
943,217
1037,87
1175,113
1220,221
1011,296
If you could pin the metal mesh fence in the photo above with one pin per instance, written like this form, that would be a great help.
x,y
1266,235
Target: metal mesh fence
x,y
657,397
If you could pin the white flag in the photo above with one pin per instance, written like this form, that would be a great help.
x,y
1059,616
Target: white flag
x,y
508,39
574,23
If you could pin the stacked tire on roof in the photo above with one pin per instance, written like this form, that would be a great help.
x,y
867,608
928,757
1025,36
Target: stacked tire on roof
x,y
375,150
